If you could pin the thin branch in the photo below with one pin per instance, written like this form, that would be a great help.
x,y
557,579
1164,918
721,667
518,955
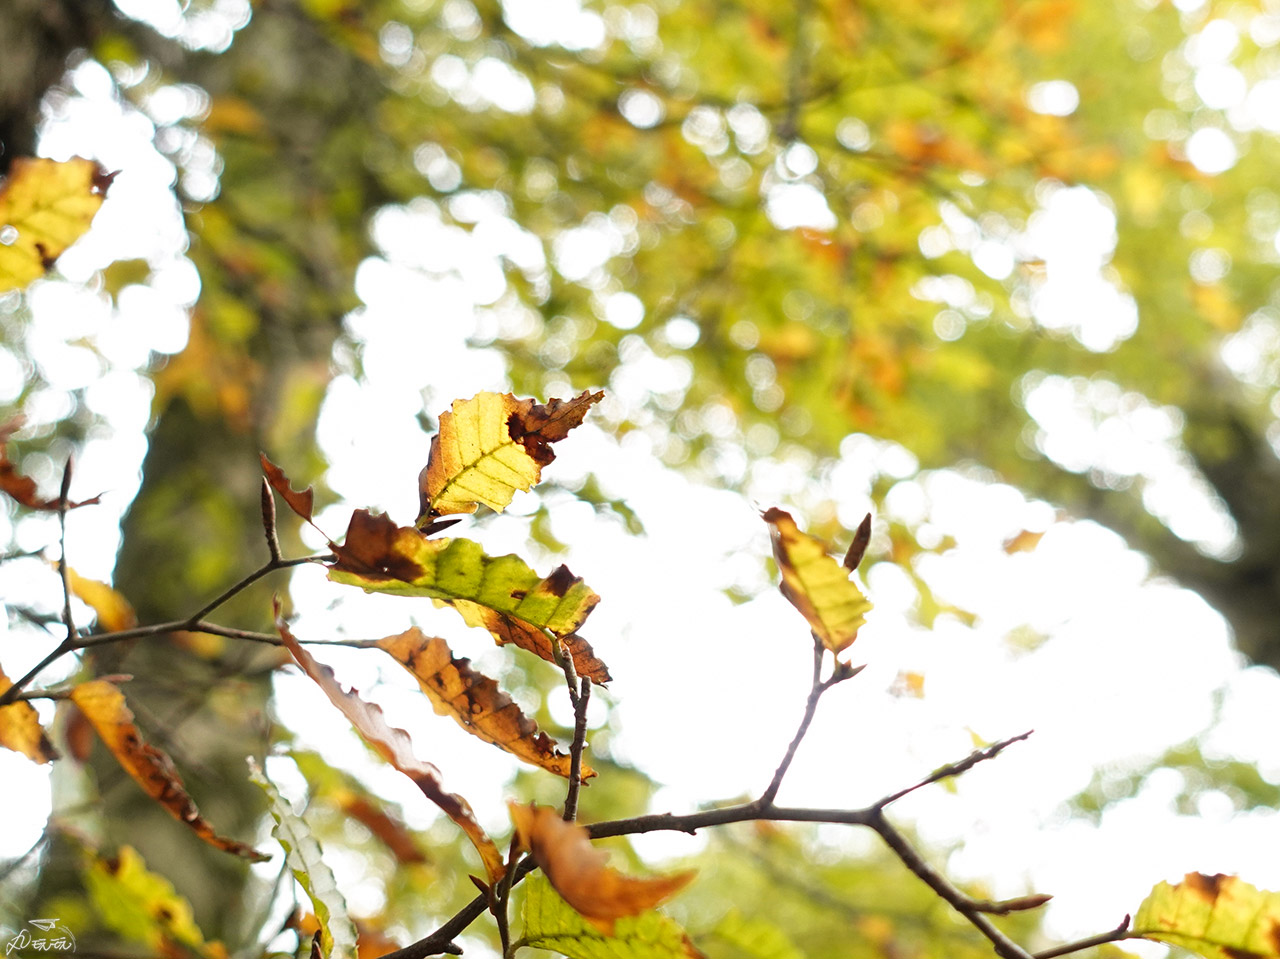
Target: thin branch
x,y
1119,932
500,897
816,689
955,769
63,570
575,750
269,522
1005,947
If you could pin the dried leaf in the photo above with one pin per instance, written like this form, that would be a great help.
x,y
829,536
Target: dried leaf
x,y
551,923
578,872
45,206
490,446
395,747
115,613
305,858
142,905
858,548
816,584
23,488
506,629
300,501
384,558
1219,917
104,706
475,701
20,729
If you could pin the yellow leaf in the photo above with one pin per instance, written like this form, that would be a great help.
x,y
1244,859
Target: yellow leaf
x,y
114,611
815,584
141,905
104,706
490,446
20,729
475,701
45,206
1219,917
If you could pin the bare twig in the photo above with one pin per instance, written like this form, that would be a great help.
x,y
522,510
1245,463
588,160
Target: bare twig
x,y
63,570
816,689
269,522
500,897
955,769
1115,935
575,750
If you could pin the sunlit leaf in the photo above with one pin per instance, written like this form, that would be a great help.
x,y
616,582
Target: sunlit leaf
x,y
1218,917
306,862
104,706
490,446
115,613
384,558
816,585
20,729
300,501
507,629
395,747
139,904
474,700
551,923
579,873
45,206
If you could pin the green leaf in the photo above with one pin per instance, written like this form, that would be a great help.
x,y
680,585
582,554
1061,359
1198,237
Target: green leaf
x,y
1219,917
754,938
551,923
383,558
305,858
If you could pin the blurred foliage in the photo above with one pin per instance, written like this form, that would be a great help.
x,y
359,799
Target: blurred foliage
x,y
763,228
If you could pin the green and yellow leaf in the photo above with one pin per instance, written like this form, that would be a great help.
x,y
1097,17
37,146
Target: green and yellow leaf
x,y
751,937
141,905
306,861
578,871
507,629
551,923
1218,917
45,206
815,584
490,446
20,729
474,701
104,706
395,747
381,557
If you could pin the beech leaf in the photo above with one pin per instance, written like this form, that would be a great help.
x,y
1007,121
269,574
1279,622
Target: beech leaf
x,y
23,488
45,206
507,629
300,501
551,923
20,728
490,446
395,747
115,613
305,859
474,701
1219,917
142,905
384,558
815,584
579,873
105,708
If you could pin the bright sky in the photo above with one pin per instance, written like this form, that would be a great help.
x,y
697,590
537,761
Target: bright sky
x,y
708,693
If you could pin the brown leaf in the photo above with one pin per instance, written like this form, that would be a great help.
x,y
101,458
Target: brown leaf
x,y
475,701
858,548
577,870
536,425
375,546
390,830
507,629
395,747
104,706
23,488
300,501
20,729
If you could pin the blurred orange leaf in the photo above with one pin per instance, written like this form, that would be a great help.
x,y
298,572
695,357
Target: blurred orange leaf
x,y
105,708
577,870
20,729
395,747
115,613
